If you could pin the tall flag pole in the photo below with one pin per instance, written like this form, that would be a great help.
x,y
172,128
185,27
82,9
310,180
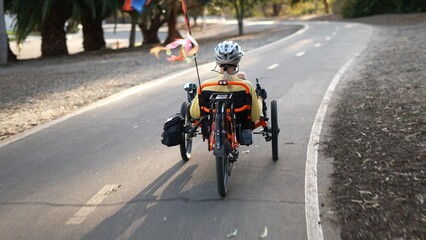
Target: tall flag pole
x,y
185,13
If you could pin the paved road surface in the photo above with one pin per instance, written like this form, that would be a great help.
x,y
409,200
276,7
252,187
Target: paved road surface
x,y
103,174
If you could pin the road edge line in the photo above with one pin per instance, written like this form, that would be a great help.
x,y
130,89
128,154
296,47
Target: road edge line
x,y
313,220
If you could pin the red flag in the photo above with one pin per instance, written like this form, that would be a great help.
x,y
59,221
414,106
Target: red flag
x,y
127,7
185,14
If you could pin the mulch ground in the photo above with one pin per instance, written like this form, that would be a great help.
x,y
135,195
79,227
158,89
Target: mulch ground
x,y
377,137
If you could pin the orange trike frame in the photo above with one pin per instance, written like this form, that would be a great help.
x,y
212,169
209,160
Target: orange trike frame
x,y
262,122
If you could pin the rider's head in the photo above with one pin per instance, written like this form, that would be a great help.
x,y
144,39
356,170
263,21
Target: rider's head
x,y
228,54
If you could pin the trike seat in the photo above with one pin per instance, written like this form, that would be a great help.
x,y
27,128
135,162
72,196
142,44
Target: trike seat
x,y
241,99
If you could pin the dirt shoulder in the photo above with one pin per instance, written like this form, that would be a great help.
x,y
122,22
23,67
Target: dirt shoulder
x,y
377,135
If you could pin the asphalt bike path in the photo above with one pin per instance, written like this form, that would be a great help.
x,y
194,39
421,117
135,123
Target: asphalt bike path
x,y
103,173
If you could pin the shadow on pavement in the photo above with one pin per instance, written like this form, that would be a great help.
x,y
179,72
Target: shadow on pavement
x,y
149,210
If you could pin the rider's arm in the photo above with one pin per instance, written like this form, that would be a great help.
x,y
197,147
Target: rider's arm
x,y
255,109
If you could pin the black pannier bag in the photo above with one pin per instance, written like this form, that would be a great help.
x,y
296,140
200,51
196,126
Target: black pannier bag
x,y
173,128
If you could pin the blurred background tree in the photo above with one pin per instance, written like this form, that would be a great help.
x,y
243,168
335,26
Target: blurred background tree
x,y
359,8
91,13
3,36
49,17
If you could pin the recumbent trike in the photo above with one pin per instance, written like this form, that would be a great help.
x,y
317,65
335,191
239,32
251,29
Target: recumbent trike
x,y
225,123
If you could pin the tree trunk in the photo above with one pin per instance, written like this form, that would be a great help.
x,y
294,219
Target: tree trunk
x,y
93,33
149,27
276,9
10,55
53,36
326,7
150,31
239,9
171,23
132,37
3,36
316,6
150,36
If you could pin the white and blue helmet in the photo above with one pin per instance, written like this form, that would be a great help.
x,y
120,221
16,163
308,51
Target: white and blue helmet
x,y
228,53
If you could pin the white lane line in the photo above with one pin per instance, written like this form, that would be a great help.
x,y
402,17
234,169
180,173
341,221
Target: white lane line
x,y
318,45
300,54
273,66
301,31
328,38
313,221
82,214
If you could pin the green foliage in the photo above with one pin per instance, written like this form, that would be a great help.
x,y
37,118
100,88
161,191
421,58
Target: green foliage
x,y
31,14
11,35
298,8
294,2
7,5
270,8
359,8
234,7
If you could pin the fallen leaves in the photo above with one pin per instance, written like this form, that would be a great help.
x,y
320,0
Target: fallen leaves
x,y
232,234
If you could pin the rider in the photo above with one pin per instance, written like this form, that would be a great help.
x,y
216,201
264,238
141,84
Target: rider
x,y
227,56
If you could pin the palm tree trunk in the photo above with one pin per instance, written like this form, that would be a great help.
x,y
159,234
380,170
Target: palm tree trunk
x,y
93,33
53,35
3,36
10,55
149,28
171,23
150,35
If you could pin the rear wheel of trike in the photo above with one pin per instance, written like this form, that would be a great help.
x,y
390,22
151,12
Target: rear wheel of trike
x,y
222,165
222,158
186,144
275,130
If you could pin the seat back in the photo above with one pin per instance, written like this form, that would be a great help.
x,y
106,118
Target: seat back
x,y
242,101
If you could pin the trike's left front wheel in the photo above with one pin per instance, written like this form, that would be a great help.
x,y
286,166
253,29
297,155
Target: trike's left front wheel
x,y
186,144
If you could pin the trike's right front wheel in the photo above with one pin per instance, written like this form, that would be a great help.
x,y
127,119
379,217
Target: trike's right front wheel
x,y
186,144
275,130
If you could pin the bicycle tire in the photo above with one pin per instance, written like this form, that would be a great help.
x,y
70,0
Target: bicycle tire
x,y
275,129
186,144
222,160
